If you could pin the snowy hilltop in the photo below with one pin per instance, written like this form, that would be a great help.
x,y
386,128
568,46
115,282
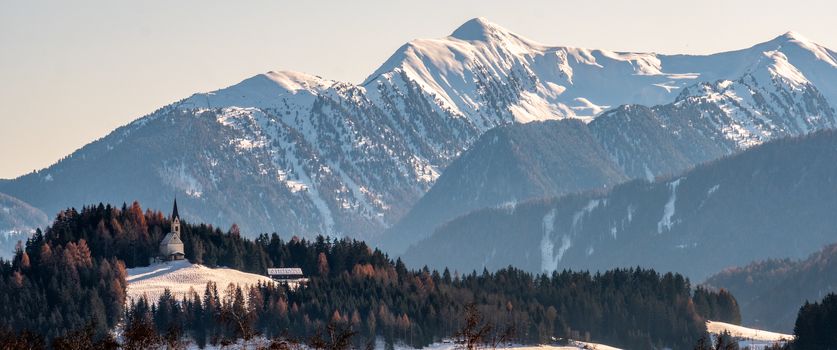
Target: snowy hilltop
x,y
181,278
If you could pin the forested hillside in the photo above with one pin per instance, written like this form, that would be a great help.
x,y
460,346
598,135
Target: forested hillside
x,y
771,291
350,285
774,200
53,287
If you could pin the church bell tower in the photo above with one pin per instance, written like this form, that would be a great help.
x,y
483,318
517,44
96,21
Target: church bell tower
x,y
175,220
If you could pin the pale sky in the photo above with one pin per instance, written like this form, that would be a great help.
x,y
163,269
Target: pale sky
x,y
72,71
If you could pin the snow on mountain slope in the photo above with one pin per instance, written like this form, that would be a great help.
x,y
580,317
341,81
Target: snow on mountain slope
x,y
713,119
181,277
268,90
772,100
817,63
490,74
300,154
483,71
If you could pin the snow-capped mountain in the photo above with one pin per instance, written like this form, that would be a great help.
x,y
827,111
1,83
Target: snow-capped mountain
x,y
712,119
299,154
483,71
705,122
773,200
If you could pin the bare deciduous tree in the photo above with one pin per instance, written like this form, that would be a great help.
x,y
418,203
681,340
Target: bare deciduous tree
x,y
477,333
140,334
337,338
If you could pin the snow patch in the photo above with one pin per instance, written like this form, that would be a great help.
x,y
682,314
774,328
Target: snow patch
x,y
591,205
550,258
566,243
548,262
782,68
668,210
712,190
649,176
180,179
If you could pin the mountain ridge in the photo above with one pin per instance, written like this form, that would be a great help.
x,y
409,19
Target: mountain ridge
x,y
312,155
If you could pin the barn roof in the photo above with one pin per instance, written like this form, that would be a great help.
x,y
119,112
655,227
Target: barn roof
x,y
284,271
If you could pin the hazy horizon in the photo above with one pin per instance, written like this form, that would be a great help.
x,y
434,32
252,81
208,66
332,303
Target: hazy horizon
x,y
81,69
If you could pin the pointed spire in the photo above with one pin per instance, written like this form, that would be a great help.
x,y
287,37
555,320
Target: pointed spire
x,y
174,213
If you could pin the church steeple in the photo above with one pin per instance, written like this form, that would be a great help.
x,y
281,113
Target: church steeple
x,y
175,219
174,213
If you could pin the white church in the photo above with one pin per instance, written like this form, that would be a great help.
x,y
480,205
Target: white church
x,y
171,247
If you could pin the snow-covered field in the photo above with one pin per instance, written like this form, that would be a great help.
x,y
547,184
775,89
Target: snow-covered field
x,y
181,276
744,332
748,337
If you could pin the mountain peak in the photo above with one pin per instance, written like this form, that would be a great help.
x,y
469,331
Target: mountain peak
x,y
795,41
791,35
261,90
477,29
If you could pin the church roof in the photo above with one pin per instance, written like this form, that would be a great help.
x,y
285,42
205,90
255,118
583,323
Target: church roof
x,y
171,238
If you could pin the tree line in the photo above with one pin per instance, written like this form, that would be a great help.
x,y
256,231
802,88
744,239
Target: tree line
x,y
351,285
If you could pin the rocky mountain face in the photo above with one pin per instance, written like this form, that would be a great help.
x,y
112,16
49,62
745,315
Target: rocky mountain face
x,y
299,154
770,292
724,213
17,220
